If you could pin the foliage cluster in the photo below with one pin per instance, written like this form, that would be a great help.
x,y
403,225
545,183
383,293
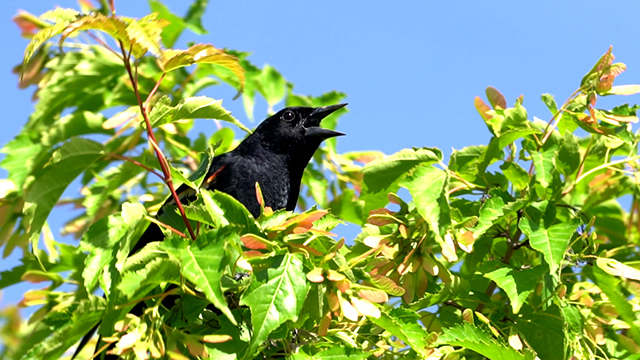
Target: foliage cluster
x,y
511,250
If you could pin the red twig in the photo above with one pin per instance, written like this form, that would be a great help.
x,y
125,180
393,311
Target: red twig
x,y
136,162
168,227
155,88
152,139
102,43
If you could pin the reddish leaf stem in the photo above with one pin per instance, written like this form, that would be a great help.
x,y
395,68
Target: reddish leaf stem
x,y
155,88
168,227
152,139
135,162
103,44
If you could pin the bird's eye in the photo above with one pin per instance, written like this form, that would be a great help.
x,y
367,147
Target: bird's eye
x,y
288,115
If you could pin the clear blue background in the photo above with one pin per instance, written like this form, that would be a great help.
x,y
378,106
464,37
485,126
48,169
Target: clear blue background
x,y
410,68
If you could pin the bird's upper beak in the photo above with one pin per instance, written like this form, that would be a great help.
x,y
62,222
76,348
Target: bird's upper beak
x,y
313,122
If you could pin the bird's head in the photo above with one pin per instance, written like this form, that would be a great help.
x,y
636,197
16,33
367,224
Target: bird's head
x,y
297,128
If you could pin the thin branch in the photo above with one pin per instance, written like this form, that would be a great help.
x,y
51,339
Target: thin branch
x,y
136,162
180,146
168,227
455,189
162,295
580,168
603,166
548,131
152,139
99,351
513,244
103,44
455,305
155,88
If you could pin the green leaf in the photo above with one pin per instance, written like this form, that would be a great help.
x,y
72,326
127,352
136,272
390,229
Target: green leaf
x,y
202,107
544,332
472,337
548,100
203,263
171,32
156,271
381,173
464,162
43,36
544,163
162,111
610,285
143,35
517,284
100,241
193,18
224,209
202,54
206,158
79,318
403,324
518,176
550,240
272,85
341,352
111,25
276,294
100,191
512,134
77,80
491,210
429,188
22,155
109,241
568,159
65,165
13,276
76,124
491,154
458,288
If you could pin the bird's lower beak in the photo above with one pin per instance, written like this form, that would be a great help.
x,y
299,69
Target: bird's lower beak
x,y
320,133
319,113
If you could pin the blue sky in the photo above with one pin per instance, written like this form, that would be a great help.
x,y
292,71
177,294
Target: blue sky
x,y
411,69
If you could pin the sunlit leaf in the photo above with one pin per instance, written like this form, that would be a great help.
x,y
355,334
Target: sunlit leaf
x,y
275,296
551,240
202,107
472,337
66,164
518,284
381,173
203,264
201,54
403,324
623,90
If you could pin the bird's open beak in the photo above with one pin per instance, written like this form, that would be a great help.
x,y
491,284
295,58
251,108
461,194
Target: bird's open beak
x,y
314,130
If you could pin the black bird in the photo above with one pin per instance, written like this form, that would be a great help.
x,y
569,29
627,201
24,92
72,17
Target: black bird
x,y
274,155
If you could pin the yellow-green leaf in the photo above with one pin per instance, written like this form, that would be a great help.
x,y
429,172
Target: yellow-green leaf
x,y
201,54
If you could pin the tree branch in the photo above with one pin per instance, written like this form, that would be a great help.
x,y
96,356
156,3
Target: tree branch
x,y
152,139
